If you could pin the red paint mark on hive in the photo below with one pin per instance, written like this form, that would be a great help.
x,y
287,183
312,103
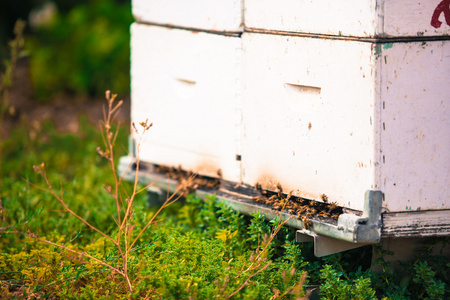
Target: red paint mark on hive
x,y
443,7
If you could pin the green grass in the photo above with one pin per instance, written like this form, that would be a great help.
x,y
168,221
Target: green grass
x,y
90,43
199,249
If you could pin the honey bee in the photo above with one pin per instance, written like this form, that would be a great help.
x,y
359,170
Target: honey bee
x,y
273,198
216,182
323,214
324,198
257,199
289,195
289,206
277,206
258,186
306,223
279,187
301,200
333,206
335,216
291,211
219,173
301,209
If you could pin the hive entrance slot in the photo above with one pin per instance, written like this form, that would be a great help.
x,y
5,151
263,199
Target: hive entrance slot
x,y
306,89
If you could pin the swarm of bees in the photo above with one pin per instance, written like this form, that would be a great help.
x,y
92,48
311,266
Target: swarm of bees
x,y
303,208
189,180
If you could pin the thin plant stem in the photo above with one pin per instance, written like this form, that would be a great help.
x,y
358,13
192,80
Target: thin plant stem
x,y
66,207
248,279
272,236
167,203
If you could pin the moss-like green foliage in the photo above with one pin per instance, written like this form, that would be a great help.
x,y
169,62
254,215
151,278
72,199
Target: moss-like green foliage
x,y
198,249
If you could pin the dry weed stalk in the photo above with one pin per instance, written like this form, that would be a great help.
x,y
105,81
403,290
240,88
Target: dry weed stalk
x,y
125,239
259,263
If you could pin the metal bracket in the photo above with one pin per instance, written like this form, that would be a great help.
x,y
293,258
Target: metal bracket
x,y
365,228
362,230
324,245
156,196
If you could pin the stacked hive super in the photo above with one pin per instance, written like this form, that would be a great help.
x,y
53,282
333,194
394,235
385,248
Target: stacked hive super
x,y
186,79
324,97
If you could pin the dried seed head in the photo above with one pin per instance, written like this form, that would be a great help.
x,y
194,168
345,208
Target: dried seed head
x,y
39,168
118,105
111,99
103,153
252,257
146,125
107,188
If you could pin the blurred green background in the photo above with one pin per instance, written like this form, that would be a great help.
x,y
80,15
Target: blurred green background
x,y
73,46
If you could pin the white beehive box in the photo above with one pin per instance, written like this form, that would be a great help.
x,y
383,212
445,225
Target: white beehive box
x,y
214,15
187,84
358,18
322,97
339,117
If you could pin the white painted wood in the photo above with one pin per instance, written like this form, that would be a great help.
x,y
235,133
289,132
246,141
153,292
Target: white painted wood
x,y
415,125
319,116
187,84
216,15
358,18
413,18
416,223
340,117
307,111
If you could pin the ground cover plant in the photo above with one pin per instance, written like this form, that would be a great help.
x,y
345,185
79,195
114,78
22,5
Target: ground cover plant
x,y
33,269
196,249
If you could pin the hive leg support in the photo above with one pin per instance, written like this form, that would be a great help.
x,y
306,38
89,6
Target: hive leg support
x,y
404,249
156,196
323,245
